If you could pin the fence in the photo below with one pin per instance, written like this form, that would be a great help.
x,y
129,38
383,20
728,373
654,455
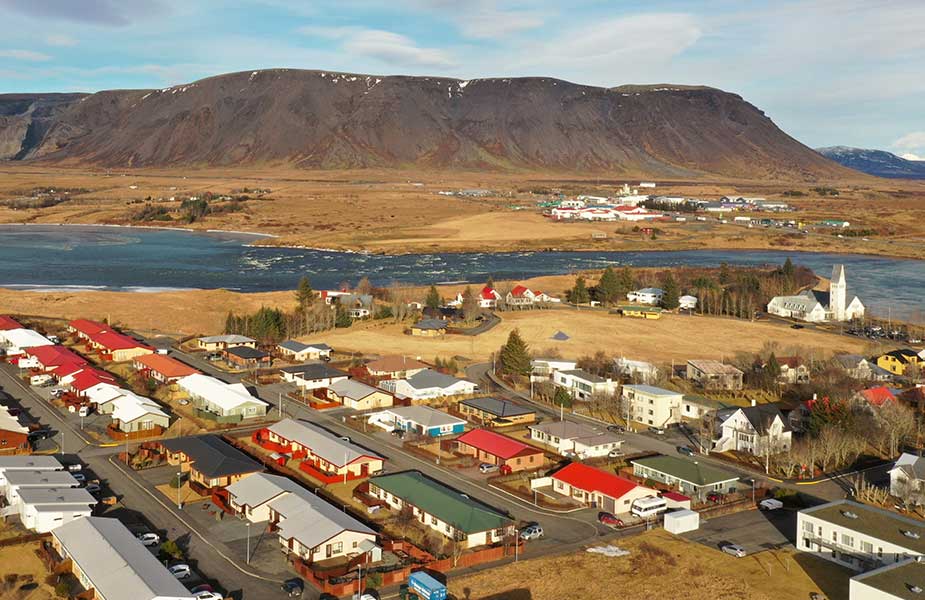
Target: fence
x,y
118,434
220,419
24,539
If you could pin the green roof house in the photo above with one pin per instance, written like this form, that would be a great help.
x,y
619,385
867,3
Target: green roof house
x,y
690,477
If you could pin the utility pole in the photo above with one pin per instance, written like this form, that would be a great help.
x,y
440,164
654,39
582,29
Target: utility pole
x,y
179,476
248,542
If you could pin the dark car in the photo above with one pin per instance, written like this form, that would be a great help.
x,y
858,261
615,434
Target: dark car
x,y
796,326
40,434
399,432
616,428
685,450
605,518
293,587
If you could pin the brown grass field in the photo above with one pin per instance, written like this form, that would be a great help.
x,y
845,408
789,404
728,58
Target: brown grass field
x,y
19,566
400,211
659,566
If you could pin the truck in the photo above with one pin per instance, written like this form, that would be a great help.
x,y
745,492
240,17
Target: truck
x,y
426,587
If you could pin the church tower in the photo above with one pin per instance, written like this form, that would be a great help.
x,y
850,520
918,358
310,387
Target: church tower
x,y
838,289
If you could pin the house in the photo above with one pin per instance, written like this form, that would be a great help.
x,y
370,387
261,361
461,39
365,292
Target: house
x,y
450,513
636,370
496,449
213,464
907,478
759,429
315,531
359,396
105,557
49,358
313,376
395,367
690,477
26,462
118,347
43,509
15,341
82,380
602,489
217,343
488,297
522,296
22,480
652,405
816,306
84,329
687,302
859,536
877,396
14,437
161,368
422,420
792,370
638,311
897,581
568,438
647,295
134,414
429,328
714,375
897,361
542,369
428,384
860,368
323,452
250,497
7,322
582,385
245,357
496,412
230,402
299,352
358,306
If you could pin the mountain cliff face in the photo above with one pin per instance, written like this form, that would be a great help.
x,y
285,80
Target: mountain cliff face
x,y
315,119
875,162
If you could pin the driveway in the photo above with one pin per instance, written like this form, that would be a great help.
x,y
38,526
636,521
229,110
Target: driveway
x,y
754,530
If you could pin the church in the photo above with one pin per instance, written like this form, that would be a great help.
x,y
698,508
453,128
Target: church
x,y
818,307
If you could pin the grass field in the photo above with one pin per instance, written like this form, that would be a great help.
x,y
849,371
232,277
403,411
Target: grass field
x,y
659,566
22,574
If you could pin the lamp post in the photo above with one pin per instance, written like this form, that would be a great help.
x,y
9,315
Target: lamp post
x,y
248,542
179,484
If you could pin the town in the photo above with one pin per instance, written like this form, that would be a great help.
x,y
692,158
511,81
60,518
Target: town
x,y
236,465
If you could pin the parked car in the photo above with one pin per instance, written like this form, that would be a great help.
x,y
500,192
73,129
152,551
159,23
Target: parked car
x,y
73,468
180,571
685,450
57,392
796,326
149,539
616,428
80,477
531,532
615,453
487,468
715,497
605,518
734,549
93,488
84,410
202,587
293,587
770,504
657,430
39,434
208,596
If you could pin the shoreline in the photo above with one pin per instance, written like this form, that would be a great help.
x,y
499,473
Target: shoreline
x,y
145,227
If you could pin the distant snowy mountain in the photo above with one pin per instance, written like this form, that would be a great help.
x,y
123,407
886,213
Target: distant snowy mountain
x,y
875,162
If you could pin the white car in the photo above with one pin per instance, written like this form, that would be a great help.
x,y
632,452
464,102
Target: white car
x,y
615,453
487,468
208,596
770,504
180,571
531,532
734,549
149,539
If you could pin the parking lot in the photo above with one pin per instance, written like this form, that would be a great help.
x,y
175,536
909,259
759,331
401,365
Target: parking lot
x,y
754,530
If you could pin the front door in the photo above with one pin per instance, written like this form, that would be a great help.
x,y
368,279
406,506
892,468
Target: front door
x,y
328,551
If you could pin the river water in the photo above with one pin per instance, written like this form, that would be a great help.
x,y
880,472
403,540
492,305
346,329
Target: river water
x,y
41,257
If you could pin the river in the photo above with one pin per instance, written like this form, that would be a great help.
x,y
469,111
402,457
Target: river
x,y
42,257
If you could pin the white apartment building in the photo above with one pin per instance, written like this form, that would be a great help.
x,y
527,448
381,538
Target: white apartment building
x,y
658,407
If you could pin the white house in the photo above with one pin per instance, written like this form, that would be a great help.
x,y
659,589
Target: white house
x,y
604,489
542,369
568,438
250,497
687,302
637,370
313,376
215,343
222,399
44,509
26,462
758,429
429,384
299,352
582,385
652,405
422,420
133,413
815,306
18,480
647,295
15,341
325,451
907,478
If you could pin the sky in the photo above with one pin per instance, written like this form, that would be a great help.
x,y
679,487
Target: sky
x,y
828,72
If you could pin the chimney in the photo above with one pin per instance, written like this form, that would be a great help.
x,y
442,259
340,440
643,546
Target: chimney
x,y
754,402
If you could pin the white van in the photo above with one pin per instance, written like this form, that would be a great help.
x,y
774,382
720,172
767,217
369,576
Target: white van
x,y
648,507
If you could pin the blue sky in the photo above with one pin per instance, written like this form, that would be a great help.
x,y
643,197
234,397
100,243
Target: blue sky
x,y
828,72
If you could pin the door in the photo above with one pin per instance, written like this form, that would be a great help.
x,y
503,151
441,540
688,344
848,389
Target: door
x,y
328,551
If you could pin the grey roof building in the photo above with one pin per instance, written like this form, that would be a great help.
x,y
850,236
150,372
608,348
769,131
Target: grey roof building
x,y
322,443
312,521
429,378
212,456
498,407
314,371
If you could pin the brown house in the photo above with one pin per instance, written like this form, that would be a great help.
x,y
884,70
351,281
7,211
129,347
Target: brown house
x,y
212,463
714,375
245,357
496,412
496,449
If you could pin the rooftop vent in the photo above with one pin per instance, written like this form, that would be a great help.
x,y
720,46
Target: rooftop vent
x,y
914,588
911,534
849,515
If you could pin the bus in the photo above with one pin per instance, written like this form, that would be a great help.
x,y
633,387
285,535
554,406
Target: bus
x,y
648,507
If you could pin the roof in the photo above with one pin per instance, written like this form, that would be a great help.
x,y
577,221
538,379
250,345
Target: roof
x,y
674,496
590,479
650,290
7,322
323,443
496,444
792,362
41,478
311,520
113,340
582,374
433,324
488,293
116,564
498,407
226,395
714,366
165,365
393,363
912,464
651,390
878,396
10,423
259,488
57,496
761,416
30,462
429,378
570,430
88,327
55,356
297,347
519,290
691,471
434,498
247,353
212,456
25,338
89,377
875,522
353,389
315,371
131,407
425,416
904,579
227,339
850,361
904,355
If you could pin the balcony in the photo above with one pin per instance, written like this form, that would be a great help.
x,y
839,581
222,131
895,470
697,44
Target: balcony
x,y
844,554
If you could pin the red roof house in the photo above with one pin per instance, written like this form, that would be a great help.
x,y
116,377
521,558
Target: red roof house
x,y
608,491
488,297
878,396
119,346
85,328
51,357
7,323
496,449
163,368
89,377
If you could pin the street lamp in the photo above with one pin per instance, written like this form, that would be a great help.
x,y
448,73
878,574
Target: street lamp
x,y
179,484
248,542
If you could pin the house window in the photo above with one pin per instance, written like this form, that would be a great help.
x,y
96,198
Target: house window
x,y
847,540
338,547
433,520
807,526
355,543
867,547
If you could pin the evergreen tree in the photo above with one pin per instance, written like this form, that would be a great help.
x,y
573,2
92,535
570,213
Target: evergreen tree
x,y
490,283
304,294
433,299
787,270
670,299
470,305
608,289
579,293
625,282
562,398
724,276
773,367
515,356
342,317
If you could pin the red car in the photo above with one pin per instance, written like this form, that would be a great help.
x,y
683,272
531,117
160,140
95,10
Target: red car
x,y
715,497
608,519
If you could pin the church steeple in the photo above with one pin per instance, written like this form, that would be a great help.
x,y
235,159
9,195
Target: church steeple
x,y
838,290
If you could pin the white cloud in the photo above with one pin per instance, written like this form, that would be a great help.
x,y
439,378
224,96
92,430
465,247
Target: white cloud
x,y
911,156
486,19
387,46
28,55
911,141
60,40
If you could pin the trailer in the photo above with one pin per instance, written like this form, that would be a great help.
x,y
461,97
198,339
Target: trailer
x,y
426,587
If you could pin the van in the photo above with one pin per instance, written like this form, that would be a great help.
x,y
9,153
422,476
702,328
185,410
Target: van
x,y
83,411
40,379
648,507
770,504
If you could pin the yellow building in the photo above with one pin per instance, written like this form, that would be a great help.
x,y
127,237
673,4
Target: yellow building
x,y
639,311
898,361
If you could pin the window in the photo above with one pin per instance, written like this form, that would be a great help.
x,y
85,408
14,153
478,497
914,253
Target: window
x,y
867,547
355,543
338,547
433,520
807,526
847,540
